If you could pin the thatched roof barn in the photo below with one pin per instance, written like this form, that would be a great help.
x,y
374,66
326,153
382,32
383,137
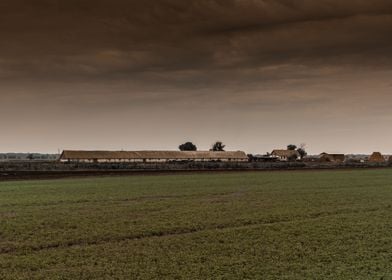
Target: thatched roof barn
x,y
377,157
285,155
150,156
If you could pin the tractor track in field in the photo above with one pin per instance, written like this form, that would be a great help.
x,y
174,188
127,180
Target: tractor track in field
x,y
177,232
114,201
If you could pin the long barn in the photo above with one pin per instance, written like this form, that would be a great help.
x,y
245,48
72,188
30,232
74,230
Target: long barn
x,y
150,156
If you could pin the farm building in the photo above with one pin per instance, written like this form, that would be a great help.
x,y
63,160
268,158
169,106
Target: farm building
x,y
150,156
332,157
285,155
377,157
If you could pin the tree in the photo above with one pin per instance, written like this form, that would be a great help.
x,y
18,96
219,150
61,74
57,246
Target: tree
x,y
302,152
218,147
188,146
30,156
291,147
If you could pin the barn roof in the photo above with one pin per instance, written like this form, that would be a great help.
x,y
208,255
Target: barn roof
x,y
285,153
68,154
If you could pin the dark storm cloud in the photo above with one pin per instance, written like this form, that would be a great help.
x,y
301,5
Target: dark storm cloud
x,y
161,40
302,70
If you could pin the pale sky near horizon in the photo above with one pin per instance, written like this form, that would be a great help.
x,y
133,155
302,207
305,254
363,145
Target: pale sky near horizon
x,y
150,75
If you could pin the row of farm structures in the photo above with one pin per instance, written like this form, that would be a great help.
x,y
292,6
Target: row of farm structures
x,y
188,152
69,156
289,155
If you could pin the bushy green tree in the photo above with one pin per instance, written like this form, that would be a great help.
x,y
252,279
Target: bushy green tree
x,y
302,152
188,146
291,147
218,147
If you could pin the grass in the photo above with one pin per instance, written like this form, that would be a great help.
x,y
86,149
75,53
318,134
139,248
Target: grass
x,y
266,225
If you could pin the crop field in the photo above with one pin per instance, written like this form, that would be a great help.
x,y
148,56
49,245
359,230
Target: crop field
x,y
243,225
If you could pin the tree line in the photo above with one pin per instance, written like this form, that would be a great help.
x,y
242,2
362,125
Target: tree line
x,y
189,146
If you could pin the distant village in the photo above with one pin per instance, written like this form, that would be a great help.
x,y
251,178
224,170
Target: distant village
x,y
188,152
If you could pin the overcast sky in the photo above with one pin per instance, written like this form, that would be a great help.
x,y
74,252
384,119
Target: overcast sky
x,y
256,74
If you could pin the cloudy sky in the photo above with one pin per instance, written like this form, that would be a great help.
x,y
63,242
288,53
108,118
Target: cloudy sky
x,y
256,74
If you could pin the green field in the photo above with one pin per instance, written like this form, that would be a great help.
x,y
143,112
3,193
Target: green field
x,y
266,225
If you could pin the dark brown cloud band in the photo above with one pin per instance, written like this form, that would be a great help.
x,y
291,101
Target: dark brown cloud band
x,y
246,59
